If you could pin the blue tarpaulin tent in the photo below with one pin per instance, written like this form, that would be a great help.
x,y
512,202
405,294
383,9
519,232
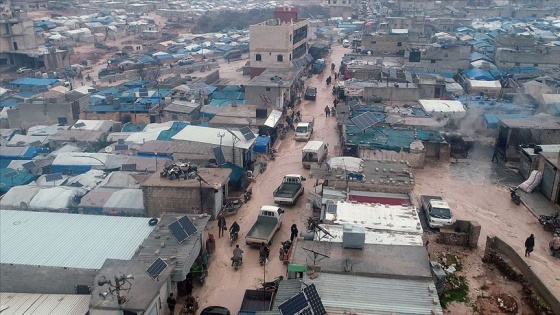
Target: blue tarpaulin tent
x,y
479,74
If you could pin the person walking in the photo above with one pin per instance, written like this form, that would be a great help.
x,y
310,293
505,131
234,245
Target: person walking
x,y
171,301
294,232
495,155
529,245
221,226
327,111
333,111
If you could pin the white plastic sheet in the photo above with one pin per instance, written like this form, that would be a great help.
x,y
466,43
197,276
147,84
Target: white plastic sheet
x,y
533,181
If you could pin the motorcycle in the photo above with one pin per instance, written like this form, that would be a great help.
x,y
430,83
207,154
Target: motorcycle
x,y
272,285
231,207
248,194
233,236
236,263
515,196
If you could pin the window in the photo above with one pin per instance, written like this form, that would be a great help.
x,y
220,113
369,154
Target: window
x,y
279,58
258,57
268,89
290,57
535,65
446,55
374,42
15,46
174,117
432,61
399,44
291,37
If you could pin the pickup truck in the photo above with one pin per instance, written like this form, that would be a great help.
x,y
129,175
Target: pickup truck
x,y
268,222
304,130
290,190
256,301
437,211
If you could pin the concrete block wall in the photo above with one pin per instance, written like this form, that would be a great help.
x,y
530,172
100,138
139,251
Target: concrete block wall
x,y
497,247
45,280
159,200
462,233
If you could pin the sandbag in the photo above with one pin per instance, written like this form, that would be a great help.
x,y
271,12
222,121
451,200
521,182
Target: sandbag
x,y
533,181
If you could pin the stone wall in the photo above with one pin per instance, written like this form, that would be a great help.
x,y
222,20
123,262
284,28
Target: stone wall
x,y
514,267
461,233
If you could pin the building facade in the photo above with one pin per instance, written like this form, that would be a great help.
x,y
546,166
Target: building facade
x,y
278,41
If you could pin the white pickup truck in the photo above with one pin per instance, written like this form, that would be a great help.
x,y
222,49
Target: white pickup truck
x,y
290,190
437,211
268,222
304,130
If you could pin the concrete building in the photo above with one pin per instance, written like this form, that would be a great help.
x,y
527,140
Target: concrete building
x,y
272,88
162,195
278,41
543,57
449,58
390,42
30,5
56,106
513,132
342,8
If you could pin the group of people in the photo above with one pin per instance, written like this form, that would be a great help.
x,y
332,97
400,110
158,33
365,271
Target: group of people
x,y
222,226
330,111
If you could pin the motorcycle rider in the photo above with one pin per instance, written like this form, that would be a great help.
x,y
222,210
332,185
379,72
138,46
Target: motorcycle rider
x,y
234,229
237,255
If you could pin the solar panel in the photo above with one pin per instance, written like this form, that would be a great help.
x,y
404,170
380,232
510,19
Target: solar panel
x,y
306,311
79,125
53,177
365,120
247,133
121,147
178,231
156,268
11,174
219,155
28,165
293,305
331,208
314,300
143,92
120,141
129,167
82,289
188,225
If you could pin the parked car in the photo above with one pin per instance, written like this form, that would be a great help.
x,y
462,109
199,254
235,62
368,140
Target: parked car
x,y
310,93
215,310
437,211
186,61
24,70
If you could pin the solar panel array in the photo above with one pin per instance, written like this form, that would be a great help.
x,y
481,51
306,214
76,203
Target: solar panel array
x,y
219,155
79,125
29,165
121,147
156,268
182,228
306,302
247,133
143,92
365,120
53,177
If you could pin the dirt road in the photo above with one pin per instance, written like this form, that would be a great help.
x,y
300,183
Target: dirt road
x,y
225,286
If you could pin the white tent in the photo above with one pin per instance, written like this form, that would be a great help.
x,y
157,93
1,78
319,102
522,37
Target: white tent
x,y
56,198
19,197
125,200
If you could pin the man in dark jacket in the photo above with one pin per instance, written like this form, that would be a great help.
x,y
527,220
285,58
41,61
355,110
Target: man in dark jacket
x,y
171,303
221,226
294,233
529,245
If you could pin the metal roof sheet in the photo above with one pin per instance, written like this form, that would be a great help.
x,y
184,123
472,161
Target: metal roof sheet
x,y
379,296
68,240
39,304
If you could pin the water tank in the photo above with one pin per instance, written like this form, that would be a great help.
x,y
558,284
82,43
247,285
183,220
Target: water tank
x,y
353,236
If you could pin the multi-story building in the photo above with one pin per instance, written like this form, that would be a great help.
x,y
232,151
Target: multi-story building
x,y
387,43
17,33
278,41
342,8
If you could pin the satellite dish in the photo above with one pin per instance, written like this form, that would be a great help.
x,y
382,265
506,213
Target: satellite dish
x,y
102,281
23,205
109,149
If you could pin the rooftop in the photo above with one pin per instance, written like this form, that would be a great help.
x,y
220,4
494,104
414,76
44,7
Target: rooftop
x,y
342,294
534,122
40,304
385,261
214,176
265,78
390,138
207,135
34,238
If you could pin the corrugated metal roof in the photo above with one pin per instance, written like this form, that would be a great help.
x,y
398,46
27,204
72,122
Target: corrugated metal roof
x,y
40,304
365,295
68,240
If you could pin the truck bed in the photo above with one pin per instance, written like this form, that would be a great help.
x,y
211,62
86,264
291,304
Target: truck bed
x,y
256,300
425,199
287,190
263,228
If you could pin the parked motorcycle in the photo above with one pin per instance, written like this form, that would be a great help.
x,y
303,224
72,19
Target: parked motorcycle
x,y
272,285
554,245
263,167
550,222
248,194
515,196
231,207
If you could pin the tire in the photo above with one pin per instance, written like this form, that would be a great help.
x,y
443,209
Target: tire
x,y
153,222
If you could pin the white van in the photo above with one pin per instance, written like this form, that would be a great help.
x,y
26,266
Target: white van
x,y
345,43
314,152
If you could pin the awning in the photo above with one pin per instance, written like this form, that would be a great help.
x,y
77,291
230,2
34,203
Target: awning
x,y
273,118
297,268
